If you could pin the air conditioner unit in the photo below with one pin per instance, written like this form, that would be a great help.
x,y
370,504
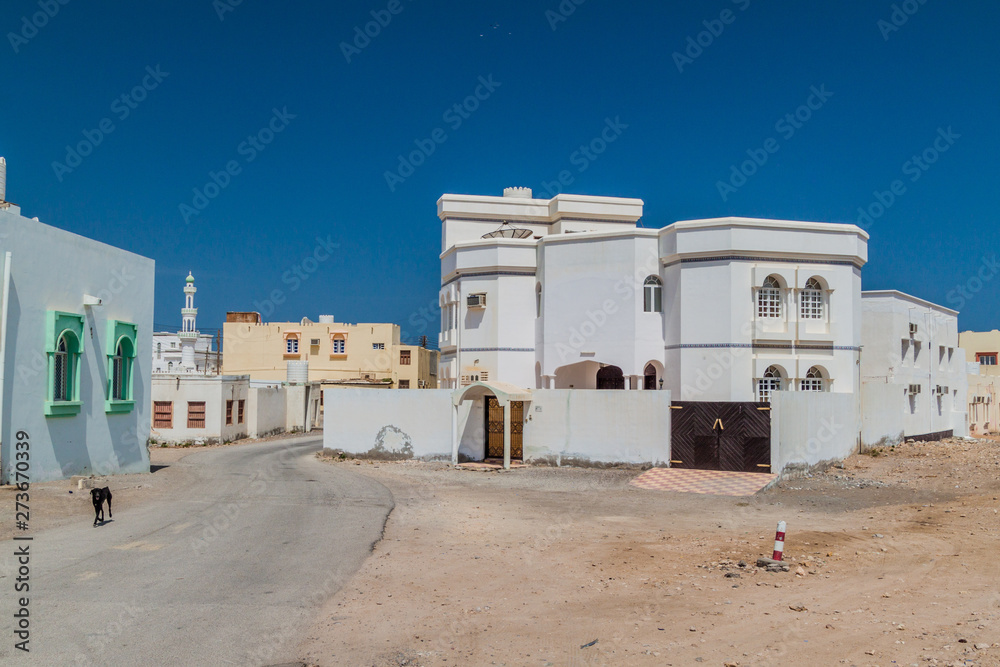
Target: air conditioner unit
x,y
913,329
914,389
476,301
940,391
314,341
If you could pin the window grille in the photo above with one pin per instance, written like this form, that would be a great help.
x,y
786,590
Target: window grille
x,y
196,414
652,295
61,389
771,382
811,301
813,381
291,345
769,299
163,414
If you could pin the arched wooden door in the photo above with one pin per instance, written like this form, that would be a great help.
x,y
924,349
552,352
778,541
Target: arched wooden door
x,y
610,377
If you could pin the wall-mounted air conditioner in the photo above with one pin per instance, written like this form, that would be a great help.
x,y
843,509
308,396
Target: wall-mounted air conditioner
x,y
476,301
314,341
913,390
913,329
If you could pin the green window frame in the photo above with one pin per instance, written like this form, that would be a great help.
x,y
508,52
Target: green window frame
x,y
120,349
63,345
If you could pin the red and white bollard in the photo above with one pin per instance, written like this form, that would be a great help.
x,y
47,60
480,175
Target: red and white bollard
x,y
779,541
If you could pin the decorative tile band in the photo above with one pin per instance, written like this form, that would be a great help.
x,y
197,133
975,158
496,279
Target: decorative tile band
x,y
485,274
760,346
498,349
748,258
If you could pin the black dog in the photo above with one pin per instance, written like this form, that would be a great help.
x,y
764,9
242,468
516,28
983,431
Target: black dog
x,y
99,496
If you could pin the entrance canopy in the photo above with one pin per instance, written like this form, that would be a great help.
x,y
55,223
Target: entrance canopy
x,y
504,391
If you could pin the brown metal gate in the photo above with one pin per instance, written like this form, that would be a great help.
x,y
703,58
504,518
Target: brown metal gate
x,y
494,429
721,436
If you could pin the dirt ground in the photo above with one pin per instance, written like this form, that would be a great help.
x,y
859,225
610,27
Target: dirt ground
x,y
894,561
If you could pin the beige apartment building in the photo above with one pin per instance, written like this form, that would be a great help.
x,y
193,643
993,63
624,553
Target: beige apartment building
x,y
336,354
982,350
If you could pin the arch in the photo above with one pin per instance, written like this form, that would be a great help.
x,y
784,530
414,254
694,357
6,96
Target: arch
x,y
652,295
579,375
816,379
62,380
652,375
610,377
769,297
768,383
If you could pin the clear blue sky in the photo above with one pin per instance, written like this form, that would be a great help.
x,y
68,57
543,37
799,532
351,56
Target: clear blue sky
x,y
323,175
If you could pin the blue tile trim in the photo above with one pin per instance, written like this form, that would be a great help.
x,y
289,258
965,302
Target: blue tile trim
x,y
760,346
498,349
748,258
488,274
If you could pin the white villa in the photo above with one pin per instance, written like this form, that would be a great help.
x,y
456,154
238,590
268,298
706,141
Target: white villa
x,y
186,351
570,292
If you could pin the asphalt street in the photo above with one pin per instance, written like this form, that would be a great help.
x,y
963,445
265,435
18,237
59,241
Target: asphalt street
x,y
228,568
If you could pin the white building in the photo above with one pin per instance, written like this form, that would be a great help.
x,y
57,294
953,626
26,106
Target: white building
x,y
913,372
573,294
186,351
74,313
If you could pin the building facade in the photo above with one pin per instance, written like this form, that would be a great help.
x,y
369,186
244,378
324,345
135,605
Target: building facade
x,y
76,315
912,367
186,351
982,350
575,295
335,353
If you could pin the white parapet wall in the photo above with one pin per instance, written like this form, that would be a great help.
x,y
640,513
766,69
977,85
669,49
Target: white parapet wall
x,y
561,427
882,420
809,428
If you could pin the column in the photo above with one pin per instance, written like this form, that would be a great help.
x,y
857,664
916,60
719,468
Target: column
x,y
506,437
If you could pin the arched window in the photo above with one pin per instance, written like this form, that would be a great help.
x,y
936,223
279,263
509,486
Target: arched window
x,y
771,382
652,295
159,350
61,389
813,381
292,342
119,374
170,366
769,298
338,343
811,301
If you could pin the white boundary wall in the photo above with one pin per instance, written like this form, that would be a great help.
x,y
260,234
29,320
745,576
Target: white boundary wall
x,y
808,428
561,426
882,420
267,411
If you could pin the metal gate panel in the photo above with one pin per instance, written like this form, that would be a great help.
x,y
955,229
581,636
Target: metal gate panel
x,y
494,428
516,430
733,436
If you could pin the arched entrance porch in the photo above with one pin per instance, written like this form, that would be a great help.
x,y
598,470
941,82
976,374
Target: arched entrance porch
x,y
507,397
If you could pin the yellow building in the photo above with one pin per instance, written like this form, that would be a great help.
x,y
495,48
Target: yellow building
x,y
982,350
337,354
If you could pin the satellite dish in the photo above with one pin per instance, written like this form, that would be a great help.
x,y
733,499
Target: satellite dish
x,y
506,231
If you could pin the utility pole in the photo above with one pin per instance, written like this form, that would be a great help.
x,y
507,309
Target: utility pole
x,y
218,351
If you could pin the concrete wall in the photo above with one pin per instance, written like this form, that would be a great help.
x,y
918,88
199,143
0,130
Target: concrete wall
x,y
392,424
882,421
267,411
561,426
52,270
812,427
588,427
302,411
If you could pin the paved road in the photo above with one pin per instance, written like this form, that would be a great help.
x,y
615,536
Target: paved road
x,y
229,570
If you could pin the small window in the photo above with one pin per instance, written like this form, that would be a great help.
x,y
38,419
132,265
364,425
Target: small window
x,y
196,414
378,346
652,295
229,413
159,350
339,345
986,358
811,301
239,410
771,382
61,390
163,414
404,384
64,333
813,380
404,357
769,299
291,345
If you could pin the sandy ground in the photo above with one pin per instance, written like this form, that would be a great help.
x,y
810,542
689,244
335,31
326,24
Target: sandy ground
x,y
894,561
